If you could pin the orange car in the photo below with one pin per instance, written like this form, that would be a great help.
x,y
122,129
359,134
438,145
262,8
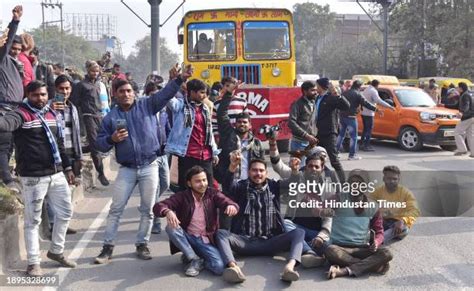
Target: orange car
x,y
416,120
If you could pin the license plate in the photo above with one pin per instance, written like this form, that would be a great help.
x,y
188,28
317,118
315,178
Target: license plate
x,y
448,133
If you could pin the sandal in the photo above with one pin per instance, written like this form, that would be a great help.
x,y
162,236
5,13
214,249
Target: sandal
x,y
333,270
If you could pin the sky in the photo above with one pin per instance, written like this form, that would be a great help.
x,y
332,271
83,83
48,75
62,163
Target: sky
x,y
130,28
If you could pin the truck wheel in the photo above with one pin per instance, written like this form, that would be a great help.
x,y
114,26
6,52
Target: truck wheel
x,y
410,139
449,148
283,145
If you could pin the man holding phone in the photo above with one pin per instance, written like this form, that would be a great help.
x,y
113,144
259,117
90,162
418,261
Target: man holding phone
x,y
131,127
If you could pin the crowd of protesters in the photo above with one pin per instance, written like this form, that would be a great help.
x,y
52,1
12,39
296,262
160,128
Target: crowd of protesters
x,y
227,203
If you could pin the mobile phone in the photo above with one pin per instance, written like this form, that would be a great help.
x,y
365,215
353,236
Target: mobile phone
x,y
121,124
372,237
59,97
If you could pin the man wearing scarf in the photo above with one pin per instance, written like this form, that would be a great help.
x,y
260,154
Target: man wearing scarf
x,y
258,229
191,137
41,160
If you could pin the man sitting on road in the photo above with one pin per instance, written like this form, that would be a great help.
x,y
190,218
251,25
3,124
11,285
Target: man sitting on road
x,y
131,127
357,235
396,221
192,217
258,229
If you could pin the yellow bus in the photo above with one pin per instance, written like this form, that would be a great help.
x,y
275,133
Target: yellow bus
x,y
256,46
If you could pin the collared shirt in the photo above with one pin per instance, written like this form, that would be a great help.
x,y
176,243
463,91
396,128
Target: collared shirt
x,y
197,147
197,226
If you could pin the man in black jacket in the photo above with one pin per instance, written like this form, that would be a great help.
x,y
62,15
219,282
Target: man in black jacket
x,y
86,96
326,115
11,94
41,160
300,123
235,138
349,118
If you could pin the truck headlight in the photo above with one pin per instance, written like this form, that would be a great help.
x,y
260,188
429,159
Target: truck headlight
x,y
427,116
276,72
206,74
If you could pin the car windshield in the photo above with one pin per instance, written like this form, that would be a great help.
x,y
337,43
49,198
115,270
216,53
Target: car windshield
x,y
414,98
211,41
266,40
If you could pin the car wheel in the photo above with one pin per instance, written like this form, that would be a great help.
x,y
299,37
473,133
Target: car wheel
x,y
410,139
449,148
283,145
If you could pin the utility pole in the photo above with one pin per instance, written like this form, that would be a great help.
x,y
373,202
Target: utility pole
x,y
155,30
48,4
385,5
155,35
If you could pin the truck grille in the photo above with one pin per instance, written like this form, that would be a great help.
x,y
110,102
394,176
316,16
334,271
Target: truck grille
x,y
250,74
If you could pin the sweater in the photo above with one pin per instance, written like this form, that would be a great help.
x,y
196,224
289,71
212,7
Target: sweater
x,y
408,214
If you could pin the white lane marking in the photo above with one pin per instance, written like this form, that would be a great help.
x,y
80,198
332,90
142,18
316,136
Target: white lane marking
x,y
82,244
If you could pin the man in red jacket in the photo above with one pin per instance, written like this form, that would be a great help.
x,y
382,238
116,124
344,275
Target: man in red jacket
x,y
192,217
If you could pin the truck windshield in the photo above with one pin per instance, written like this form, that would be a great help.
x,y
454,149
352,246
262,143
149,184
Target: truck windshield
x,y
414,98
266,40
211,41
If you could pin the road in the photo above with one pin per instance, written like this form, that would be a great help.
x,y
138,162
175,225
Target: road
x,y
436,255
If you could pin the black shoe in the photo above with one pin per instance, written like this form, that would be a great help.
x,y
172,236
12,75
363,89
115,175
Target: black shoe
x,y
103,180
61,259
194,267
68,231
71,231
105,255
143,252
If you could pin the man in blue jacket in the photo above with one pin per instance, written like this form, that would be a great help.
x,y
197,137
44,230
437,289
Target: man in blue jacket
x,y
131,127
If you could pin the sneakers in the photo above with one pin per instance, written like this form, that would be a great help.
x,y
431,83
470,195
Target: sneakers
x,y
34,270
311,260
290,275
194,267
105,255
103,180
13,186
233,275
143,252
354,158
61,259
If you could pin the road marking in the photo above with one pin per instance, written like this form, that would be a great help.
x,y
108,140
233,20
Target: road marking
x,y
82,244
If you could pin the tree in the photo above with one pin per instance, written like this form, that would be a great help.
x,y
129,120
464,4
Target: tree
x,y
313,25
440,32
138,62
76,49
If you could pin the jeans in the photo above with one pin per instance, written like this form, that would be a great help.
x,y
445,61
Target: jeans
x,y
296,145
256,246
163,183
388,226
34,192
359,260
192,247
147,179
92,125
309,234
350,124
368,123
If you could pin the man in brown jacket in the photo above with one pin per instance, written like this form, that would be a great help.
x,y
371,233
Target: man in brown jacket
x,y
192,217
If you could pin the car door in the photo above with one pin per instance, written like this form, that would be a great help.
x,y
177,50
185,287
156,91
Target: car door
x,y
386,123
